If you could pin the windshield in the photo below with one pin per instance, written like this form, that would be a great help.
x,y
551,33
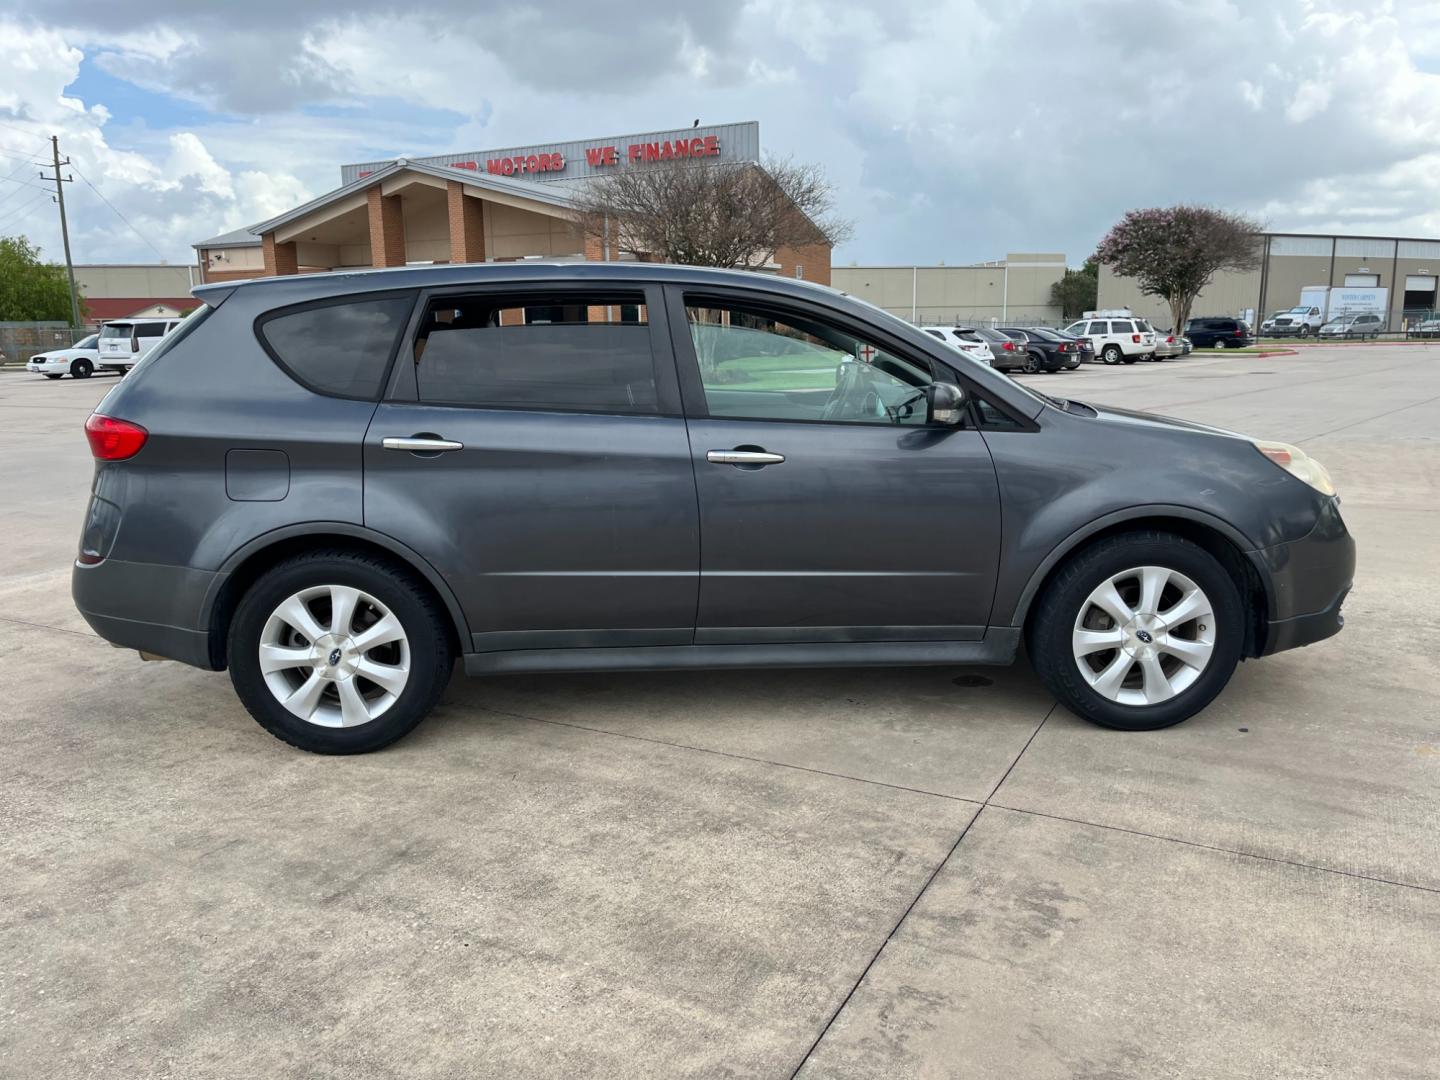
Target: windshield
x,y
1044,334
86,342
1302,310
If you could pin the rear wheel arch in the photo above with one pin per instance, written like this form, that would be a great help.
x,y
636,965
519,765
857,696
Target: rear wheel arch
x,y
1215,536
246,565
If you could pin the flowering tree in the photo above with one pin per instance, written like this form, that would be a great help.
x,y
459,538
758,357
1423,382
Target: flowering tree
x,y
1174,252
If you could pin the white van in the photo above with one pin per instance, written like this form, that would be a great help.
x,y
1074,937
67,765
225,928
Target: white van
x,y
125,341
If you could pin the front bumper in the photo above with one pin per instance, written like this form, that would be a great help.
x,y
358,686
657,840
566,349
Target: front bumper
x,y
146,606
1309,579
47,367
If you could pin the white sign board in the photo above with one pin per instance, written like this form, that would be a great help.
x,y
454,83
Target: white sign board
x,y
1345,301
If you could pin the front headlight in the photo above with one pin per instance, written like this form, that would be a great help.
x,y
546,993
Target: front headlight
x,y
1298,464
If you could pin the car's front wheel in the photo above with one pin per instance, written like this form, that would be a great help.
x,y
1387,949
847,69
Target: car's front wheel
x,y
1139,631
338,652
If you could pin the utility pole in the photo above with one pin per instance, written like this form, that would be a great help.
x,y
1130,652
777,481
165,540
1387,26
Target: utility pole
x,y
60,182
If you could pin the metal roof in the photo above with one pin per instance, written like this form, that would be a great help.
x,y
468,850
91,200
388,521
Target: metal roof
x,y
233,238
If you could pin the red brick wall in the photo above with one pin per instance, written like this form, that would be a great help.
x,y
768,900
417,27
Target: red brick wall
x,y
815,258
387,229
467,225
279,258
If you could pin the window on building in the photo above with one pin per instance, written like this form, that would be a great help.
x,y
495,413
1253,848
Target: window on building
x,y
588,353
338,348
761,364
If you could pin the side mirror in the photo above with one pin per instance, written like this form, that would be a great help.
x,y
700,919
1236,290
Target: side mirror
x,y
945,404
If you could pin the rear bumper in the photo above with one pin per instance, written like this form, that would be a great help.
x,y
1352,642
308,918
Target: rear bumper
x,y
145,606
1309,580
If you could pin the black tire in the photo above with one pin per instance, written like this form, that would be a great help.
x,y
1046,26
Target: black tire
x,y
81,369
1032,363
54,374
432,653
1128,359
1110,354
1304,331
1053,619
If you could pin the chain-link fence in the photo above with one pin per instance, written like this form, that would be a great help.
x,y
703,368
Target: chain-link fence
x,y
21,340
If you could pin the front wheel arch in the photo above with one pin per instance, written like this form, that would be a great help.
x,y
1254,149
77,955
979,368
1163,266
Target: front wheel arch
x,y
246,565
1217,537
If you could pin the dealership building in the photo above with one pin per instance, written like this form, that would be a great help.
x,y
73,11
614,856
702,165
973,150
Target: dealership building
x,y
1015,289
1407,269
486,206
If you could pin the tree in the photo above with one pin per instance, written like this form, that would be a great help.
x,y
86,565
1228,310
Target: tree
x,y
1174,252
1078,290
731,215
31,290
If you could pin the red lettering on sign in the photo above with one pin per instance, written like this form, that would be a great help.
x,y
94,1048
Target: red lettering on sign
x,y
635,151
712,146
595,155
366,173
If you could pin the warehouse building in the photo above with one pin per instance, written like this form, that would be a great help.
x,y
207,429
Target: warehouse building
x,y
1408,269
1013,289
134,290
486,206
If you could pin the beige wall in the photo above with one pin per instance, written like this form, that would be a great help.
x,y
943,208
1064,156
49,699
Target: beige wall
x,y
512,233
950,294
103,282
427,228
235,259
1294,262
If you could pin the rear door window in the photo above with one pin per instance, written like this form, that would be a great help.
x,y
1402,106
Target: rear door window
x,y
580,352
1123,327
1099,328
342,348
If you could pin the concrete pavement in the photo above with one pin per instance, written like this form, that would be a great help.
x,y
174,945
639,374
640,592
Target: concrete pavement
x,y
855,873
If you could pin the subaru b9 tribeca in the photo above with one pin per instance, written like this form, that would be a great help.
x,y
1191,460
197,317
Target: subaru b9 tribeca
x,y
334,485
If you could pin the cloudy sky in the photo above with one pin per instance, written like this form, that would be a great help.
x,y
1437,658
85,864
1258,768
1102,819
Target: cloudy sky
x,y
953,130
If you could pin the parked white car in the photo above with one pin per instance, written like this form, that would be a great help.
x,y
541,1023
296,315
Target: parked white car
x,y
125,341
1354,326
965,339
1117,340
78,361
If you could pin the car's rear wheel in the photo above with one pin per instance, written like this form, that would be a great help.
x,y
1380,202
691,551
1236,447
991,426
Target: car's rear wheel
x,y
1219,343
1139,631
1110,354
1032,363
338,653
81,369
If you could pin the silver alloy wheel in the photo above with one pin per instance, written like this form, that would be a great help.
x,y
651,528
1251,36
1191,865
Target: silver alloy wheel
x,y
1144,635
334,656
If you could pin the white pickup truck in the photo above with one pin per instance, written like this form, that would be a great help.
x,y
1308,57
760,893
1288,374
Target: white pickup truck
x,y
1300,321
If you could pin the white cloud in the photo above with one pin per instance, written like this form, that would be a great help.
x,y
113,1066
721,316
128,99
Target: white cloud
x,y
955,129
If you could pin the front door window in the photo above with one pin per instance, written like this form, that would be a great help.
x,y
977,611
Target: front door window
x,y
760,365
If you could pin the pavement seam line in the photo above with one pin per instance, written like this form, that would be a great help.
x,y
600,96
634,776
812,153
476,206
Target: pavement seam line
x,y
1218,849
727,754
1366,420
47,626
911,907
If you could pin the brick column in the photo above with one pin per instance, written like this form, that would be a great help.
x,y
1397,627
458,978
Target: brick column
x,y
279,258
467,224
595,252
387,229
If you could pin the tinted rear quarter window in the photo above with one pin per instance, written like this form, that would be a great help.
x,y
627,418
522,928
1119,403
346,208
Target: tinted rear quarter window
x,y
1124,327
575,352
341,348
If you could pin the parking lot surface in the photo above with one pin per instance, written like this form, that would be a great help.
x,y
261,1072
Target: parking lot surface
x,y
891,873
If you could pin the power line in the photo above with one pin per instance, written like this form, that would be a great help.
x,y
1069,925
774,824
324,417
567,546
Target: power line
x,y
19,210
144,239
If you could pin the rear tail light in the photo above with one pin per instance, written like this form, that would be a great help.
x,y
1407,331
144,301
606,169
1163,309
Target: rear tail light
x,y
1135,338
1170,340
1009,346
114,440
1239,333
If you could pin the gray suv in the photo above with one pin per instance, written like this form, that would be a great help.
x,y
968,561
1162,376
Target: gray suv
x,y
334,485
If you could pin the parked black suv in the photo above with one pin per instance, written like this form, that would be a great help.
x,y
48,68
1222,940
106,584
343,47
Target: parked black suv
x,y
336,484
1210,333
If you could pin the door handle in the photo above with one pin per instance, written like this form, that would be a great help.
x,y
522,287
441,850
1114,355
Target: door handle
x,y
743,457
422,444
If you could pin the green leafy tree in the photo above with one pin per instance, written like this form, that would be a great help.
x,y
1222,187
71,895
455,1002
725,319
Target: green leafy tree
x,y
1174,252
1078,290
31,290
